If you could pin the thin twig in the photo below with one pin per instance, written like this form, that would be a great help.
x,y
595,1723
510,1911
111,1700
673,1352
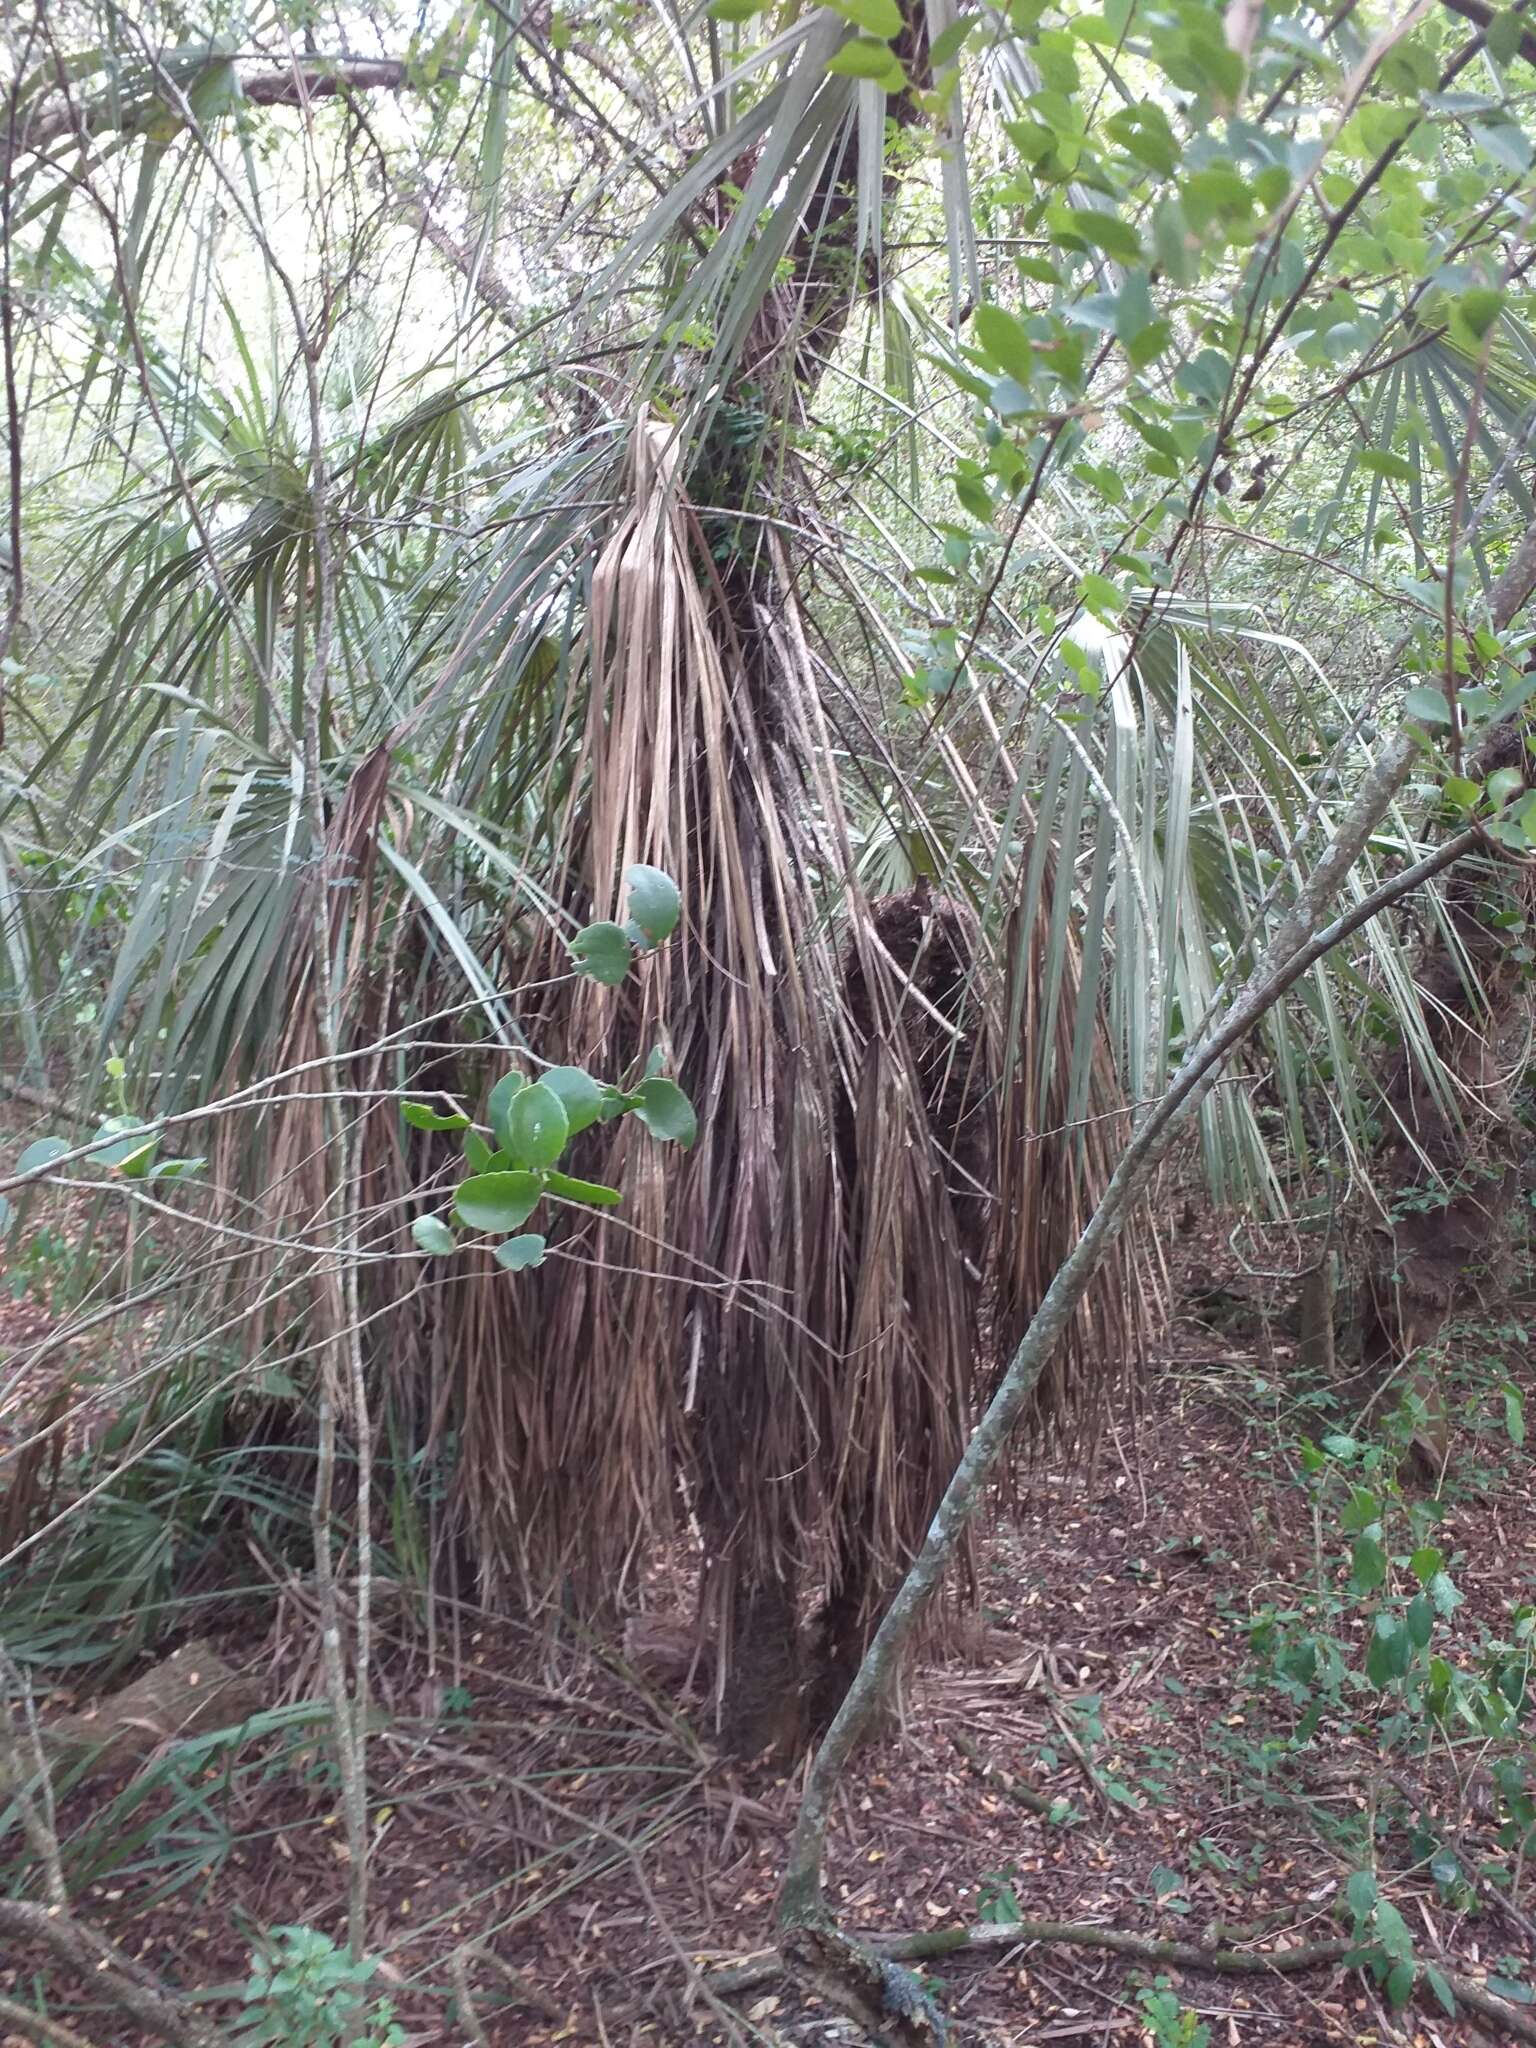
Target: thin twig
x,y
101,1963
1006,1783
28,1780
48,2033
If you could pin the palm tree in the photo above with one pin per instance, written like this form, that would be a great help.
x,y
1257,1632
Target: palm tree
x,y
602,601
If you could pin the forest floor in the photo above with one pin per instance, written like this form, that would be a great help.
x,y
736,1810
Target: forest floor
x,y
561,1857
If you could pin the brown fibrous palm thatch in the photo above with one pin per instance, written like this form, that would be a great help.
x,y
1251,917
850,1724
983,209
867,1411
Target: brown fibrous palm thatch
x,y
780,1341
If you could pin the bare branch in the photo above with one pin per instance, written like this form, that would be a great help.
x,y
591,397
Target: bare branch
x,y
110,1969
292,85
1480,12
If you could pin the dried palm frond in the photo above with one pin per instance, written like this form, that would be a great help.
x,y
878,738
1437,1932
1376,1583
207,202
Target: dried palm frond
x,y
781,1336
1063,1123
706,1310
918,1140
288,1138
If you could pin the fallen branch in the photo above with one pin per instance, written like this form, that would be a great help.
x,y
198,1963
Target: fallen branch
x,y
48,2033
291,85
988,1934
43,1099
110,1970
763,1967
185,1694
1518,2025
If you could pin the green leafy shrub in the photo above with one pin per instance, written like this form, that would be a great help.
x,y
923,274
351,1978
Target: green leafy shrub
x,y
305,1992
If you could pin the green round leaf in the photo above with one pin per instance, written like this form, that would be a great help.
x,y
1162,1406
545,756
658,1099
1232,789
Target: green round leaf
x,y
654,904
1442,1590
592,1192
1005,341
499,1107
1370,1564
1440,1988
499,1202
518,1253
42,1152
865,57
537,1126
1009,400
1390,1652
1392,1931
1505,33
1421,1621
433,1235
1382,462
176,1169
1514,1416
422,1117
113,1149
1428,706
666,1111
478,1153
1476,310
1360,1893
580,1096
604,952
1361,1510
1116,237
878,17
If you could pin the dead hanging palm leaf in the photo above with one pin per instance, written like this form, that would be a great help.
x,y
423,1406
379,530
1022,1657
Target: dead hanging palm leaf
x,y
289,1137
697,1329
1063,1122
783,1334
918,1145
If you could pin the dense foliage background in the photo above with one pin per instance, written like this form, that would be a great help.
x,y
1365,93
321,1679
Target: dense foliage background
x,y
665,674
